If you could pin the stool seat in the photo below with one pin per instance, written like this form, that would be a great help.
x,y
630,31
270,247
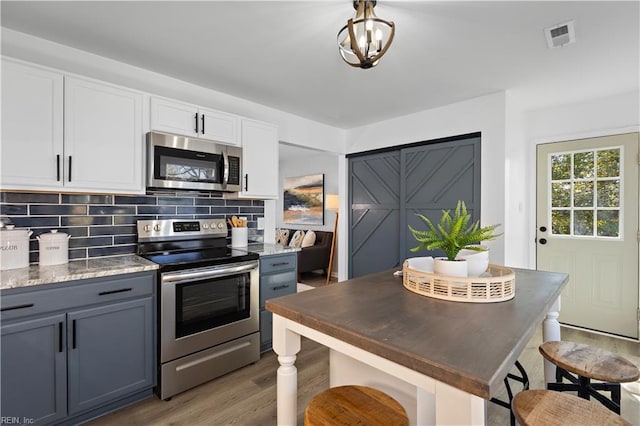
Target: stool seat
x,y
587,361
549,408
354,405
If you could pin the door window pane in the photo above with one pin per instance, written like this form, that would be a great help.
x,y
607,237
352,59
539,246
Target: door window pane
x,y
608,223
561,194
560,222
583,194
585,191
609,163
609,193
583,222
561,166
583,165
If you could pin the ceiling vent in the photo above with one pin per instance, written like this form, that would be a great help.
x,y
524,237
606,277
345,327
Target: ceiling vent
x,y
560,35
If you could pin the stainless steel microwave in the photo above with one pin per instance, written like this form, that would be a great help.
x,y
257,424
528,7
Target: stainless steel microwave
x,y
179,162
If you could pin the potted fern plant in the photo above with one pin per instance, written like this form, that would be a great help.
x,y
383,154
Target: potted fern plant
x,y
452,234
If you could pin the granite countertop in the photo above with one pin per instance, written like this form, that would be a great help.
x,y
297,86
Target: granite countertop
x,y
267,249
74,270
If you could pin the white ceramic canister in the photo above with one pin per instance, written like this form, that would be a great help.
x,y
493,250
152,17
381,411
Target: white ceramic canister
x,y
14,248
54,248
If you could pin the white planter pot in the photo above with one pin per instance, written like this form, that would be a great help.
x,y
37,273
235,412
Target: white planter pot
x,y
450,268
14,248
477,261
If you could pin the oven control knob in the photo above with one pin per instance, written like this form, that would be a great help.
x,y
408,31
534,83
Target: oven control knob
x,y
220,225
205,226
147,228
156,227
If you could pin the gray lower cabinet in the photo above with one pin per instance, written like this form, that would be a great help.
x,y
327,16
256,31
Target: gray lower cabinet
x,y
92,355
34,370
278,277
110,352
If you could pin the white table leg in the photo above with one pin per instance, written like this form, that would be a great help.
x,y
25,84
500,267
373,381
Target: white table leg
x,y
456,407
551,332
286,344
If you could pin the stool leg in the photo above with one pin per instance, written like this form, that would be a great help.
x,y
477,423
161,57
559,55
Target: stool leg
x,y
524,379
615,397
583,389
559,375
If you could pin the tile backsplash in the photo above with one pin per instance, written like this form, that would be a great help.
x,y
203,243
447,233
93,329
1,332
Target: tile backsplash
x,y
105,225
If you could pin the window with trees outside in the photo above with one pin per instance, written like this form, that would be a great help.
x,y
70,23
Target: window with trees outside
x,y
586,188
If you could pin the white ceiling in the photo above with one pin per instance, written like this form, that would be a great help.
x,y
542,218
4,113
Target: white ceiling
x,y
284,54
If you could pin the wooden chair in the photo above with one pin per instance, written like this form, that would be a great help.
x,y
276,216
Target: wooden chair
x,y
354,405
549,408
589,363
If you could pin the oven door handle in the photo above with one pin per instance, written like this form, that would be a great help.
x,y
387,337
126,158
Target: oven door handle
x,y
208,273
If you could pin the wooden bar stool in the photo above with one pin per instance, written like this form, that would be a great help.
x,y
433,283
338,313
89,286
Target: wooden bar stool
x,y
354,405
549,408
589,363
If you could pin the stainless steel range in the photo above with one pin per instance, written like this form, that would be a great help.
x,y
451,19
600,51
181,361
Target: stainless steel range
x,y
208,303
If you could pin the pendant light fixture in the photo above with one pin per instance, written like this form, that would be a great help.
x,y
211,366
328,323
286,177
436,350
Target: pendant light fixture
x,y
365,38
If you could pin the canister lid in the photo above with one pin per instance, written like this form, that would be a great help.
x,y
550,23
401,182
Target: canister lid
x,y
11,230
53,235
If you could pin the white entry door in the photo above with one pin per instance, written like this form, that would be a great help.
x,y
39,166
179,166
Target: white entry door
x,y
587,226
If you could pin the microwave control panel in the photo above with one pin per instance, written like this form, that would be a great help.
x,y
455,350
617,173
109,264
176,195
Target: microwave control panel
x,y
234,171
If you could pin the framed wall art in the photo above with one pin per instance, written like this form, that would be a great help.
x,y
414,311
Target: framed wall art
x,y
304,200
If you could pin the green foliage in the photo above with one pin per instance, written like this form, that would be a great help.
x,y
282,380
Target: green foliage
x,y
453,233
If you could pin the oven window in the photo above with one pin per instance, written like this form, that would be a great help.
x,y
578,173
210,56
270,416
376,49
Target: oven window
x,y
211,303
188,166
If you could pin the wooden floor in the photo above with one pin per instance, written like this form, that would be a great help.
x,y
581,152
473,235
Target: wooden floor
x,y
316,279
248,396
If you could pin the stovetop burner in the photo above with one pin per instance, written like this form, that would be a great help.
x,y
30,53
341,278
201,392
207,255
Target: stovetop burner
x,y
178,244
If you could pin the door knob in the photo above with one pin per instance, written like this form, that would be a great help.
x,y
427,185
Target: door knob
x,y
543,241
543,229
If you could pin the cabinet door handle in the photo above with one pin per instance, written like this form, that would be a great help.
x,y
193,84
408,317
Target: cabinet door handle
x,y
12,308
279,263
196,117
73,334
246,182
122,290
69,168
58,167
60,348
202,117
279,287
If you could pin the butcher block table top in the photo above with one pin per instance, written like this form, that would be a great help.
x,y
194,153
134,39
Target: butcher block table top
x,y
471,346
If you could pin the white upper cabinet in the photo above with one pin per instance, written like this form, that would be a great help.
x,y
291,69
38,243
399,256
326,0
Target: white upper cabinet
x,y
103,137
259,160
32,135
174,117
190,120
67,133
219,126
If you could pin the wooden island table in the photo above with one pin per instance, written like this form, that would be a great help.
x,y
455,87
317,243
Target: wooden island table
x,y
441,360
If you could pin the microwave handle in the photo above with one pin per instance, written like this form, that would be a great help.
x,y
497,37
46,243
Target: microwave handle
x,y
225,168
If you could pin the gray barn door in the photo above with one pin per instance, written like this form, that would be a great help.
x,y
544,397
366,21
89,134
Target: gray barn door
x,y
388,189
375,213
435,178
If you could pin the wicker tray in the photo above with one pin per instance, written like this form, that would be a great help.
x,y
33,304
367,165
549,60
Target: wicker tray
x,y
499,285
